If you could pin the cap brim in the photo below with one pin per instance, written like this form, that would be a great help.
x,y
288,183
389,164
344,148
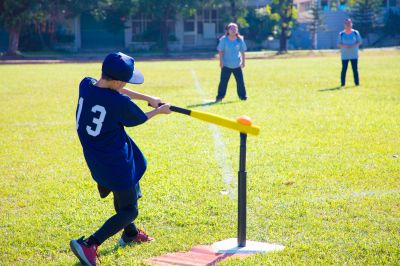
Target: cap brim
x,y
137,77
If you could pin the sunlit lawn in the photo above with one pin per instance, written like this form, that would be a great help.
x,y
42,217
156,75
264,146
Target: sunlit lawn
x,y
323,176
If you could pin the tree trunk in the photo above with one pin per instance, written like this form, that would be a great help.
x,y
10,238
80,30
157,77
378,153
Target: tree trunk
x,y
286,18
283,42
165,33
13,40
233,11
314,39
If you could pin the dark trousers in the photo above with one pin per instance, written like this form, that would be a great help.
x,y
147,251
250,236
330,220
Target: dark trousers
x,y
223,84
126,207
354,66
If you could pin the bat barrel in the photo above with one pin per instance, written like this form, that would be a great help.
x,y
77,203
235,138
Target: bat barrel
x,y
225,122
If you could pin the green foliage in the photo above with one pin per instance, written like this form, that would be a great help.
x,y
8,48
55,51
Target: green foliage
x,y
31,41
392,22
260,25
113,13
365,15
16,13
284,13
234,11
323,176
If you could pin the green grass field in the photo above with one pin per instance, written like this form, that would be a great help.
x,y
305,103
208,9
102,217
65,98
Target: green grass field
x,y
323,176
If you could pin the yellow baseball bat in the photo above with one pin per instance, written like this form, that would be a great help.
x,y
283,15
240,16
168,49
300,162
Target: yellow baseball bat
x,y
242,124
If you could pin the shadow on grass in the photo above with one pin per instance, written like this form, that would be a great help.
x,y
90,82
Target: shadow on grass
x,y
210,103
338,88
332,89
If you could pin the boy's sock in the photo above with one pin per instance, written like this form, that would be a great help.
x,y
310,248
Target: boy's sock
x,y
131,230
92,240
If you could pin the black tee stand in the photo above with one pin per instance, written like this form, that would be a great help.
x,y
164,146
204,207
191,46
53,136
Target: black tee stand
x,y
240,245
241,238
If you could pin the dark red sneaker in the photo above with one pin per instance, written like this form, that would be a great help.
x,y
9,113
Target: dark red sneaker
x,y
139,238
85,253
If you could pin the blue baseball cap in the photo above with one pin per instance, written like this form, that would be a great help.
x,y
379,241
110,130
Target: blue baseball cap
x,y
119,66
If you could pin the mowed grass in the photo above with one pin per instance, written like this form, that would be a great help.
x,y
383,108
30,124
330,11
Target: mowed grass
x,y
323,176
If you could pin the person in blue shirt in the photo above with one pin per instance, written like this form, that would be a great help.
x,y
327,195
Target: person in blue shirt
x,y
231,49
348,41
114,160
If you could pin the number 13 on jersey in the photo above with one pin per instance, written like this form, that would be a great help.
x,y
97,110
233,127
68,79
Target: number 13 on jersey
x,y
98,121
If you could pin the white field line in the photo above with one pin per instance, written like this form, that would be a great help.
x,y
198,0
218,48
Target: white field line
x,y
35,124
221,154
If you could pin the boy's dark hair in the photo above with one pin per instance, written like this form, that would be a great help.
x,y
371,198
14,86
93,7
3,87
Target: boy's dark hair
x,y
105,77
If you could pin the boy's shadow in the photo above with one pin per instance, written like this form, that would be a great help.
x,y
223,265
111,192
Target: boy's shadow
x,y
332,89
337,88
209,103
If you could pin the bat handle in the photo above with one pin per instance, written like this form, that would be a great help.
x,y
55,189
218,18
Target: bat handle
x,y
175,109
158,104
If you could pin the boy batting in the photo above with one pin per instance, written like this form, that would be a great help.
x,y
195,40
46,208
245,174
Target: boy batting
x,y
115,162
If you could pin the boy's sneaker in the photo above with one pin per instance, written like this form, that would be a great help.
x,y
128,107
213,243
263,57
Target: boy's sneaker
x,y
139,238
85,253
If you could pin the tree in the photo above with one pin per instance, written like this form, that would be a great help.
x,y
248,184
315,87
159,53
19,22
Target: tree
x,y
392,22
316,22
285,14
365,15
164,12
260,25
238,11
229,10
390,28
112,12
14,15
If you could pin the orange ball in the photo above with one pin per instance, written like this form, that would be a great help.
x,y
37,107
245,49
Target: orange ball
x,y
244,120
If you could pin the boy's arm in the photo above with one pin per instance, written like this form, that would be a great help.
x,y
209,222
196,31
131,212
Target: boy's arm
x,y
153,101
163,109
243,59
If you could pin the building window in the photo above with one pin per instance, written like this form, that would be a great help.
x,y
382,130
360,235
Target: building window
x,y
144,28
188,26
208,23
200,27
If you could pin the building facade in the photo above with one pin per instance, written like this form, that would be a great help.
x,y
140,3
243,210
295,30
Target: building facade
x,y
334,12
199,31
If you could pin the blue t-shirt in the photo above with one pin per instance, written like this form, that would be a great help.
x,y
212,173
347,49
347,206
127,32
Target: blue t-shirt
x,y
349,39
231,50
114,160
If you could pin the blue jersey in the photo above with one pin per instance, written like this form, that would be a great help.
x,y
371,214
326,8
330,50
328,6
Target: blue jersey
x,y
349,39
232,51
114,160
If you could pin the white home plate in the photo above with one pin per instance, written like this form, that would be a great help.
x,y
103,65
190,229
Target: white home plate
x,y
230,246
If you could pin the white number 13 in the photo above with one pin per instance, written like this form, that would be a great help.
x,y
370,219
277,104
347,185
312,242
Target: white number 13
x,y
98,121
